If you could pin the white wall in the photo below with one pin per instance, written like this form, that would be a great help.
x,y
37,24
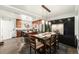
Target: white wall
x,y
77,25
0,29
77,22
7,25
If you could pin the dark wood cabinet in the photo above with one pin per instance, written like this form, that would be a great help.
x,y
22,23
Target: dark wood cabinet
x,y
19,33
18,23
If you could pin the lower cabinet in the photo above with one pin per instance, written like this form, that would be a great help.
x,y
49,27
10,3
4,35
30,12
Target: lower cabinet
x,y
68,40
19,33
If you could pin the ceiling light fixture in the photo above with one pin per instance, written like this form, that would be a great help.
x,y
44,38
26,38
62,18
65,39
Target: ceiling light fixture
x,y
46,8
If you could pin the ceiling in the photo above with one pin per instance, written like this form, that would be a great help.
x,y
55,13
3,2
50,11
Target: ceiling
x,y
55,9
37,11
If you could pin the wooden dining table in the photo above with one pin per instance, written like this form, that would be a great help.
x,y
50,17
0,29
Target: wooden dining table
x,y
42,37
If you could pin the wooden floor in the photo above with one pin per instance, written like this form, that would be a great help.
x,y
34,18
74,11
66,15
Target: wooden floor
x,y
16,46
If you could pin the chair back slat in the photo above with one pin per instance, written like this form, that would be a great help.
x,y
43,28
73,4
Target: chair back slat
x,y
32,41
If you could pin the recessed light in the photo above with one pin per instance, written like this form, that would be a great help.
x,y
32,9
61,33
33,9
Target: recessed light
x,y
69,19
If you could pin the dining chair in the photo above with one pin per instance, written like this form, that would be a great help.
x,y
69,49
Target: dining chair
x,y
35,45
26,37
51,44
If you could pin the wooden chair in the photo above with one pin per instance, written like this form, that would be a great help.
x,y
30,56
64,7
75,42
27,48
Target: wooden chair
x,y
51,43
35,45
26,37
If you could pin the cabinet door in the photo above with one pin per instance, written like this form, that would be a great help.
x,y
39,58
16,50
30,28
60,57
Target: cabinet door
x,y
69,27
19,33
18,23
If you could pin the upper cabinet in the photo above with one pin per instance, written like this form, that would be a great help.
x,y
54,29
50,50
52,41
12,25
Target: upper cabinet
x,y
36,23
18,23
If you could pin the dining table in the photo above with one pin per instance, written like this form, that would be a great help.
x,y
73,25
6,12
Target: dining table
x,y
42,37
